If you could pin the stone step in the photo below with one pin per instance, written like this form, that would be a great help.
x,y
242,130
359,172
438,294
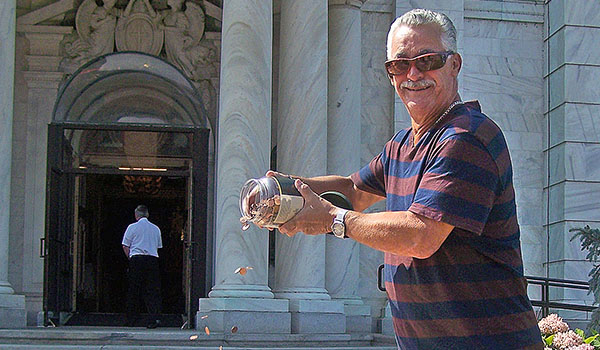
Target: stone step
x,y
150,347
96,338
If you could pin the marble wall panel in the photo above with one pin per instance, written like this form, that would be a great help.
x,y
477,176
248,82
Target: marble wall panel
x,y
473,83
501,29
517,48
492,102
533,237
505,48
556,15
402,118
529,213
556,90
556,202
572,270
557,128
573,12
575,122
524,140
561,247
556,49
529,89
527,162
581,84
376,92
556,161
576,201
483,46
575,162
504,66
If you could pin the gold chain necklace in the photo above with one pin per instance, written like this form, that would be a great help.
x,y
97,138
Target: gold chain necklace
x,y
452,105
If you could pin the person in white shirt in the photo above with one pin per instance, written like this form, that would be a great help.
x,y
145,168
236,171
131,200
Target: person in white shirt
x,y
141,242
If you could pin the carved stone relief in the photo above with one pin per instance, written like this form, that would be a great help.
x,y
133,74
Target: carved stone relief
x,y
174,33
137,29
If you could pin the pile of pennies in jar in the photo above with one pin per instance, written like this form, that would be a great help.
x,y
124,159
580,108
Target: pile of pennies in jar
x,y
262,212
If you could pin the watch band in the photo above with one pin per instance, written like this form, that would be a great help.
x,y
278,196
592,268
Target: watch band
x,y
339,222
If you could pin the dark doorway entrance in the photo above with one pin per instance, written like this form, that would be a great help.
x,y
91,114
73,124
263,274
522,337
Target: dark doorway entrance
x,y
97,175
106,209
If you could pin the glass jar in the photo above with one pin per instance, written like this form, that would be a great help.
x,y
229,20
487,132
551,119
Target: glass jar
x,y
269,201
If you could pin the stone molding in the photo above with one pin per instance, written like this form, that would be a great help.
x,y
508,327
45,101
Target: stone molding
x,y
351,3
43,80
532,12
47,44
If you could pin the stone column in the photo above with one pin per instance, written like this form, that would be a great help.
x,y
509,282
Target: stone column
x,y
572,142
244,147
343,151
43,79
301,145
12,307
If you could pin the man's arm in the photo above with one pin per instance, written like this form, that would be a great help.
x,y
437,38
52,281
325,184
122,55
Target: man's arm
x,y
126,250
399,232
402,233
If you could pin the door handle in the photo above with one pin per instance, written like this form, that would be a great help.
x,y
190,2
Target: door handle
x,y
380,278
43,247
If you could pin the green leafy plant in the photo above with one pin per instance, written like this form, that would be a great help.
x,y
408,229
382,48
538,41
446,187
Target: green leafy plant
x,y
590,241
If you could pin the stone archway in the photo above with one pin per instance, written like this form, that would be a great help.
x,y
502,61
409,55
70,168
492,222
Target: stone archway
x,y
131,115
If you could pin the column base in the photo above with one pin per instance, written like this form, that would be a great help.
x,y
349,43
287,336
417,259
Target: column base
x,y
244,315
358,318
12,311
385,323
317,316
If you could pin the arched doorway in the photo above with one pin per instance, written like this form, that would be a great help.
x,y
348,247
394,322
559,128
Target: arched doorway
x,y
128,129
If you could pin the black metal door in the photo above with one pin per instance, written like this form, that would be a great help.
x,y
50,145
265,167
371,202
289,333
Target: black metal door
x,y
56,245
198,243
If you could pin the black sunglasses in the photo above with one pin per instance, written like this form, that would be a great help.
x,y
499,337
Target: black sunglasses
x,y
424,63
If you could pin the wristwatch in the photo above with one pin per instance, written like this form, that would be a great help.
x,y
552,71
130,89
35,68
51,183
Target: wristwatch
x,y
338,228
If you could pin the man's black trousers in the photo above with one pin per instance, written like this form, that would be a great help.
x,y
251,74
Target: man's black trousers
x,y
144,283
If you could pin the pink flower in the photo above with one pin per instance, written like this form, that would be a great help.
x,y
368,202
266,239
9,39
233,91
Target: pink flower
x,y
581,347
566,340
552,324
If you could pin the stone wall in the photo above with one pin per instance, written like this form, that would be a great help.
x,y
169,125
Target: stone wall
x,y
571,110
502,68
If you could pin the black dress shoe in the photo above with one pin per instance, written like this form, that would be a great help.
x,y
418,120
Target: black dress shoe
x,y
153,324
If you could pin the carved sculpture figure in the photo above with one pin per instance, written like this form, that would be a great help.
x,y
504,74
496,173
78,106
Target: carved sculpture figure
x,y
183,24
95,21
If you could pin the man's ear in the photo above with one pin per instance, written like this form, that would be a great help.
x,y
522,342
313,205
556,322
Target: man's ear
x,y
456,63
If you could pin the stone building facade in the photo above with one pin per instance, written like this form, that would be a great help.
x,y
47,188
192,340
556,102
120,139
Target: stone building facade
x,y
215,92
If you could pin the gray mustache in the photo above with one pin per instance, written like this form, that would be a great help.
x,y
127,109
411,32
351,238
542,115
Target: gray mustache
x,y
416,84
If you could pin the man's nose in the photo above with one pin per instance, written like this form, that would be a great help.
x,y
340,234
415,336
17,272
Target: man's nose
x,y
413,72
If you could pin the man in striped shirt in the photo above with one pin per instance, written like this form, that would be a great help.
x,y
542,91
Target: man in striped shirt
x,y
453,265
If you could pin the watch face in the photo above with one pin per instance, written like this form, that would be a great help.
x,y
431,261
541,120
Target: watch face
x,y
338,229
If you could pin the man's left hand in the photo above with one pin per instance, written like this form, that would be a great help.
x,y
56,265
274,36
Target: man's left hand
x,y
315,217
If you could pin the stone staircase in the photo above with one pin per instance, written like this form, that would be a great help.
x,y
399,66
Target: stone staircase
x,y
106,338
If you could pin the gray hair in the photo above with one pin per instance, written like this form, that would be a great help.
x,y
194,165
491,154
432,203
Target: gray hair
x,y
142,211
419,17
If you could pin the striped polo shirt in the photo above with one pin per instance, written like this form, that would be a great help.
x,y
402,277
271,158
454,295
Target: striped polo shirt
x,y
470,294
